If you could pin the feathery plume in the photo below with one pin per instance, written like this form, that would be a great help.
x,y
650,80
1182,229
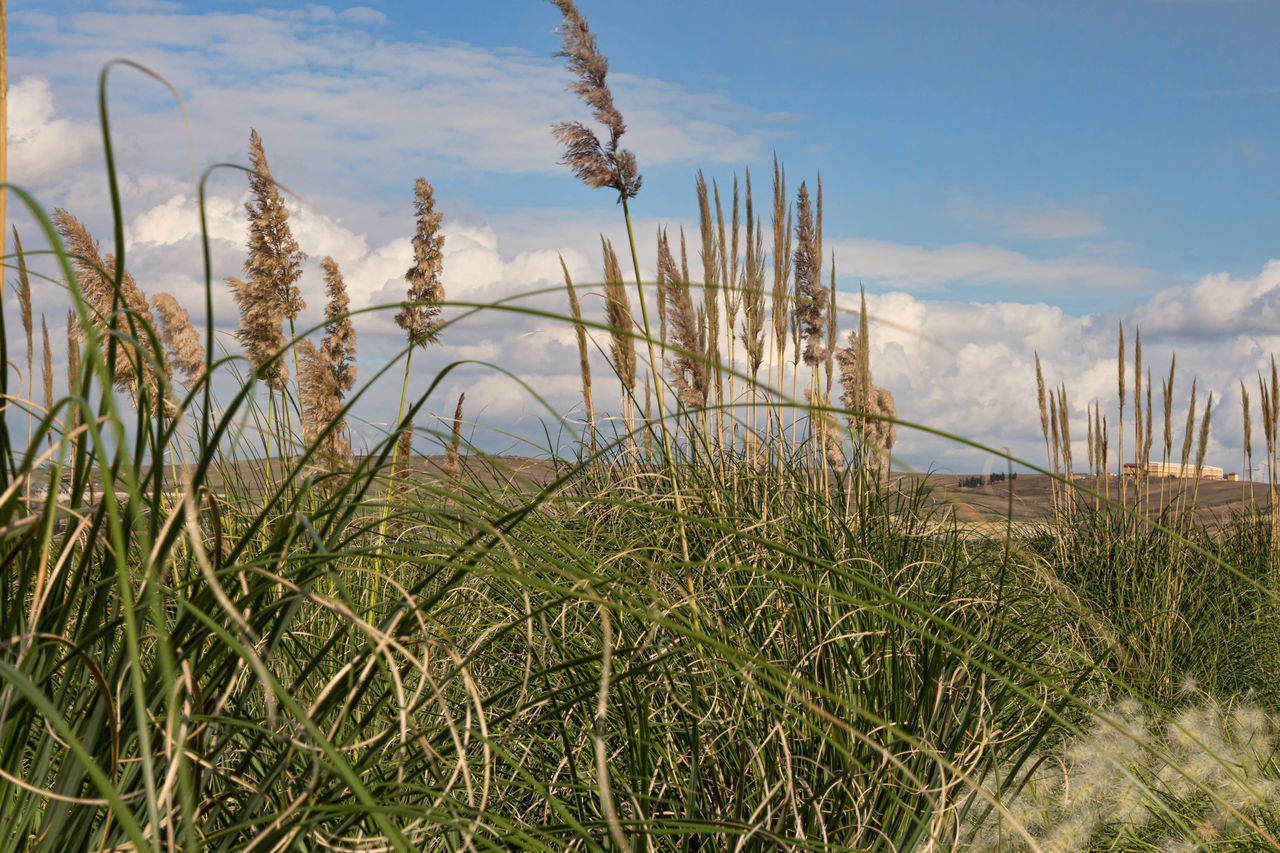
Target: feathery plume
x,y
1268,422
684,258
732,283
1146,437
268,294
1168,409
865,386
328,373
710,254
1248,424
811,296
1065,430
339,344
452,468
73,366
829,349
595,164
95,275
24,300
1089,439
1203,442
1191,424
1040,398
688,372
1100,436
47,373
421,322
274,259
1053,430
319,399
1120,431
260,331
181,340
618,310
402,473
663,281
1137,395
781,258
861,397
752,290
888,429
827,431
584,364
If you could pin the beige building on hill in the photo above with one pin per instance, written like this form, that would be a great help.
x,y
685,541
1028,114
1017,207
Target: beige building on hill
x,y
1169,469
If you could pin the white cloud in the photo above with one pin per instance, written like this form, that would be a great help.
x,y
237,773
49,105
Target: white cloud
x,y
41,144
322,85
899,265
1040,221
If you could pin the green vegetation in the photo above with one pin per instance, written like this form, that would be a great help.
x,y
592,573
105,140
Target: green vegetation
x,y
723,625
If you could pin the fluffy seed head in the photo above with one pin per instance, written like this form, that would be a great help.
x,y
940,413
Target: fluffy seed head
x,y
274,260
811,296
596,164
180,339
618,309
421,322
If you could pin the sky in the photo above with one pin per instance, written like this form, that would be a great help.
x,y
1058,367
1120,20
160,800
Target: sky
x,y
1004,178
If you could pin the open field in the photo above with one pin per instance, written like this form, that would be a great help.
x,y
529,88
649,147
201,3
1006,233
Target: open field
x,y
725,623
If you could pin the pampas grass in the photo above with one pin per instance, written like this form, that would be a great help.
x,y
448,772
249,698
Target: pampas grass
x,y
419,316
452,468
622,348
181,340
597,165
687,369
584,364
98,279
810,295
328,374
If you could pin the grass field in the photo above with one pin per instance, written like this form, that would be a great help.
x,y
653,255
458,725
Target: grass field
x,y
723,621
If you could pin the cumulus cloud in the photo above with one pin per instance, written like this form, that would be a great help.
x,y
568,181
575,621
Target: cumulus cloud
x,y
330,87
41,143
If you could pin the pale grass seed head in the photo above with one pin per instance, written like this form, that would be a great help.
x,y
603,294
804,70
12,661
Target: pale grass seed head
x,y
752,288
274,260
421,321
1248,424
584,363
618,311
811,296
781,258
688,373
595,164
711,252
339,344
1168,408
260,331
1190,428
95,275
47,371
452,467
24,295
181,340
826,430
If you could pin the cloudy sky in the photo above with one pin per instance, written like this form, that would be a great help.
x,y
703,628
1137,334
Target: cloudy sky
x,y
1002,177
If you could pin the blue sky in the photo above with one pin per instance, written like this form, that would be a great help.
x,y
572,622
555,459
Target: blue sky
x,y
1008,177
